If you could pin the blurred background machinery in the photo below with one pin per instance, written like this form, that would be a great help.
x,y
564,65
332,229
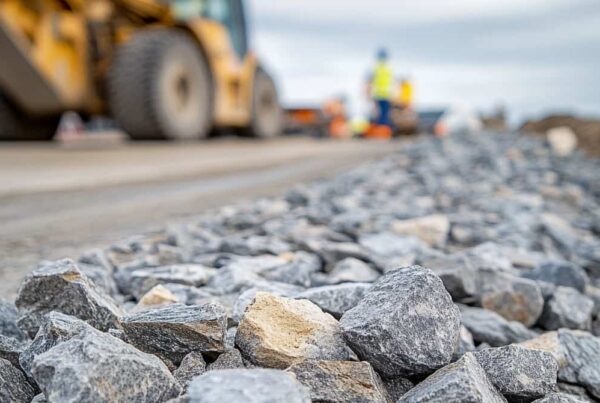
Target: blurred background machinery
x,y
162,69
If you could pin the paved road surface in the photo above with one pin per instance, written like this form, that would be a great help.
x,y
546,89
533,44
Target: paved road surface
x,y
57,202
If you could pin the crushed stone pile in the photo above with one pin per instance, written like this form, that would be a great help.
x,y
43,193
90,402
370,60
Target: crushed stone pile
x,y
458,270
587,130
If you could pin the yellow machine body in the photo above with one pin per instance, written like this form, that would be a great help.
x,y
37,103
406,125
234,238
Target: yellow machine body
x,y
55,54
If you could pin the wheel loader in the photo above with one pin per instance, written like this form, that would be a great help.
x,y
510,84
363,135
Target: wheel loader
x,y
162,69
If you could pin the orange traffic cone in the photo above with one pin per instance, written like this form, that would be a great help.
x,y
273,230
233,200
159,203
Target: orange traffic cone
x,y
380,132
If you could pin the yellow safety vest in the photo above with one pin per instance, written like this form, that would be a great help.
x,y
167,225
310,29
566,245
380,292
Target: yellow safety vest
x,y
382,82
406,94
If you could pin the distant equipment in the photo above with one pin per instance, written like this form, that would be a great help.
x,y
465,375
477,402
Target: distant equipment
x,y
328,120
309,120
162,69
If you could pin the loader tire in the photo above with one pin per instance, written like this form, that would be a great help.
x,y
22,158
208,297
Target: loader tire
x,y
159,87
16,126
267,115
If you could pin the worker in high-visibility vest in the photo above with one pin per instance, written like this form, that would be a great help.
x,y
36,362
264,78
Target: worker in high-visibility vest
x,y
381,90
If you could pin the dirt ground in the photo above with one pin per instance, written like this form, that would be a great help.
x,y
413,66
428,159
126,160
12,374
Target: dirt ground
x,y
58,202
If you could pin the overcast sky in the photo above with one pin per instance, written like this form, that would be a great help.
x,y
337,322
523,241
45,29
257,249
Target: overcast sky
x,y
532,55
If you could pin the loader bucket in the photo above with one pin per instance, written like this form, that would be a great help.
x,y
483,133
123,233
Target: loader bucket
x,y
21,80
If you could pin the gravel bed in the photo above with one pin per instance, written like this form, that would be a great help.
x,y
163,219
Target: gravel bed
x,y
464,269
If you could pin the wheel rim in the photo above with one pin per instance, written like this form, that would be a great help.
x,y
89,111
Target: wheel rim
x,y
182,96
268,110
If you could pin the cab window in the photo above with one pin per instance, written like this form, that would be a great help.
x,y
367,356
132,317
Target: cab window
x,y
230,13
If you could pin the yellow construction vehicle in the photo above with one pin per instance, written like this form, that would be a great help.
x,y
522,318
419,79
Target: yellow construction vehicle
x,y
163,69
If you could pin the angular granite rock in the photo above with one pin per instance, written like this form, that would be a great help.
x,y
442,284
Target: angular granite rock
x,y
405,325
277,332
582,352
433,229
94,367
248,386
519,373
185,294
340,381
246,298
8,321
333,252
194,275
55,328
389,245
462,381
390,251
254,245
10,349
489,327
296,270
489,256
336,299
459,278
14,387
230,359
177,330
60,286
550,343
236,278
567,308
561,274
191,366
159,296
349,270
144,280
514,298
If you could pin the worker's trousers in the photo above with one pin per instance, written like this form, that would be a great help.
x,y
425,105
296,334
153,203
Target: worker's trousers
x,y
383,112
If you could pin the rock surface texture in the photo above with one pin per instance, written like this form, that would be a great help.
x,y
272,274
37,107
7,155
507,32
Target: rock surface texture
x,y
177,330
582,352
95,367
62,287
230,359
405,325
515,299
569,309
247,385
491,328
340,381
518,372
14,387
277,332
462,381
191,366
56,328
11,349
